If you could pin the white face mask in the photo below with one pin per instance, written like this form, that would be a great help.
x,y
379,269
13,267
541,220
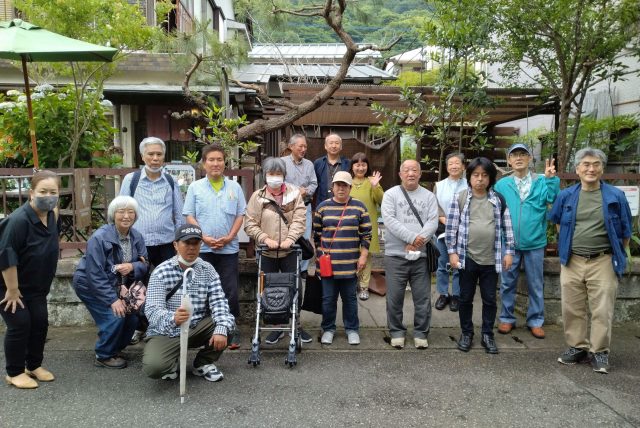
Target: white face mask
x,y
275,181
154,170
186,263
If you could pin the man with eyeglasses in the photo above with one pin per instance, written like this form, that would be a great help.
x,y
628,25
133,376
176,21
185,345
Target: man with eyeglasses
x,y
594,222
527,195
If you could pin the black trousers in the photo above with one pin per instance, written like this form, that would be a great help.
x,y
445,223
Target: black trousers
x,y
160,253
487,278
26,333
227,267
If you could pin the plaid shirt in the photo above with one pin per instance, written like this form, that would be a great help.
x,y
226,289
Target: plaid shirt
x,y
457,229
204,290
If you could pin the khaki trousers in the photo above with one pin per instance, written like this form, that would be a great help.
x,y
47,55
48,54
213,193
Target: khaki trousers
x,y
364,276
162,352
593,283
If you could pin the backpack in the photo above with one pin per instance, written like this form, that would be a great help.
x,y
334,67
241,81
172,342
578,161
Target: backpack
x,y
136,179
462,196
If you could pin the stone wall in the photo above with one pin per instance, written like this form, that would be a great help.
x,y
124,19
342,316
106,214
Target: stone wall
x,y
627,303
65,309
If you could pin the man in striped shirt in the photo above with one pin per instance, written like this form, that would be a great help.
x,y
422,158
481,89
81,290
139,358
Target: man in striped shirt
x,y
342,229
159,201
159,208
210,322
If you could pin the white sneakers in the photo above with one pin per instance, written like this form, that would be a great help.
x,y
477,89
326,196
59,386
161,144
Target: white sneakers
x,y
327,338
397,342
421,343
209,371
353,338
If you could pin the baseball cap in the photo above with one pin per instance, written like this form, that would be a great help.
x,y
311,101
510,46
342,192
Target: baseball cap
x,y
188,231
343,176
519,146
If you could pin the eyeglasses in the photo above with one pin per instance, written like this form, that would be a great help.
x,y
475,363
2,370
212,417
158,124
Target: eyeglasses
x,y
588,165
519,155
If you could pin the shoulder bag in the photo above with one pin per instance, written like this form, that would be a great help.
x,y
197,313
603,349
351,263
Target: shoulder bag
x,y
432,252
302,242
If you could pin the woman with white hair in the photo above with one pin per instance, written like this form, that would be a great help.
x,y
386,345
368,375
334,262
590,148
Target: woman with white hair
x,y
116,254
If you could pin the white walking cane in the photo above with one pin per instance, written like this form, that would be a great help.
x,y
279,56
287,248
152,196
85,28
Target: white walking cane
x,y
184,333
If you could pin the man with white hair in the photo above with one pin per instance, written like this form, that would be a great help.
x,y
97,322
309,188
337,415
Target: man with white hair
x,y
159,200
300,172
160,206
594,223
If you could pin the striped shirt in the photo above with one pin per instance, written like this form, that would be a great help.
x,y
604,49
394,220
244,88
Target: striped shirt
x,y
457,229
205,292
354,233
159,208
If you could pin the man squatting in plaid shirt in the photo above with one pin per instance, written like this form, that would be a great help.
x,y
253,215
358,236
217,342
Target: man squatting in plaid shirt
x,y
162,308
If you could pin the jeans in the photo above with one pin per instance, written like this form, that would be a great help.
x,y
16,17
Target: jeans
x,y
442,274
487,278
114,333
346,288
532,261
307,234
398,271
26,333
227,267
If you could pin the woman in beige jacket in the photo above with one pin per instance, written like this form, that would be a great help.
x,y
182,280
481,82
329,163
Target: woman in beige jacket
x,y
266,226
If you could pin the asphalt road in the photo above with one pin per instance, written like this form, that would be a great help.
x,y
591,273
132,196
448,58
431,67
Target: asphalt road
x,y
341,386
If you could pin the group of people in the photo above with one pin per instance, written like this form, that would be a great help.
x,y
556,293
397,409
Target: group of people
x,y
483,229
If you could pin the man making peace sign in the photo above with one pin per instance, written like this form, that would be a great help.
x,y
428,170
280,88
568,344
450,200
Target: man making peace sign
x,y
527,195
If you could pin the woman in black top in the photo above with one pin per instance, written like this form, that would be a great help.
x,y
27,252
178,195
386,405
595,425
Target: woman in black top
x,y
28,260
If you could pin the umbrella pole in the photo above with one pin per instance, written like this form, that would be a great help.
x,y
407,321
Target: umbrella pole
x,y
32,125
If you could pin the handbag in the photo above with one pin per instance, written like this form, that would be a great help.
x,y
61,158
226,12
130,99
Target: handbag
x,y
313,295
324,261
431,251
302,242
133,296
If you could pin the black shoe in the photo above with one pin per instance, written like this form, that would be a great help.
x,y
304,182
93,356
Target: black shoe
x,y
464,344
442,301
489,344
573,355
305,337
454,304
274,336
600,362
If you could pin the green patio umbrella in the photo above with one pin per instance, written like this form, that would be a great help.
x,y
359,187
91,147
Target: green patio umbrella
x,y
22,41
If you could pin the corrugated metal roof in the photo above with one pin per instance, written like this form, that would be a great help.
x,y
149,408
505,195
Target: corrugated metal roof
x,y
262,73
308,50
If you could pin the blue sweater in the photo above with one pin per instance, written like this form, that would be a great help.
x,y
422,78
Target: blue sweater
x,y
529,217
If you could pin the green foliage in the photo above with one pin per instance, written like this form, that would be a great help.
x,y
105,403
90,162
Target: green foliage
x,y
415,78
114,23
566,47
222,130
53,113
367,21
607,134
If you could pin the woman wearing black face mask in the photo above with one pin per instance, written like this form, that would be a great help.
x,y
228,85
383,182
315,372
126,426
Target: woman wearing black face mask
x,y
28,259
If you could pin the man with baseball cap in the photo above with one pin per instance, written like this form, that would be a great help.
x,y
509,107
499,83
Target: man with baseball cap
x,y
165,313
527,195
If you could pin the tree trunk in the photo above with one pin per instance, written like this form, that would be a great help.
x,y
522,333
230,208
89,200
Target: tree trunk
x,y
561,142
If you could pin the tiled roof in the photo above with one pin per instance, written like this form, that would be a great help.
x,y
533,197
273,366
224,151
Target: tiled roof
x,y
262,73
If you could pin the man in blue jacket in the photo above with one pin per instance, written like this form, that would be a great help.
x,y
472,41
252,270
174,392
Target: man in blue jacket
x,y
327,166
527,195
594,222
